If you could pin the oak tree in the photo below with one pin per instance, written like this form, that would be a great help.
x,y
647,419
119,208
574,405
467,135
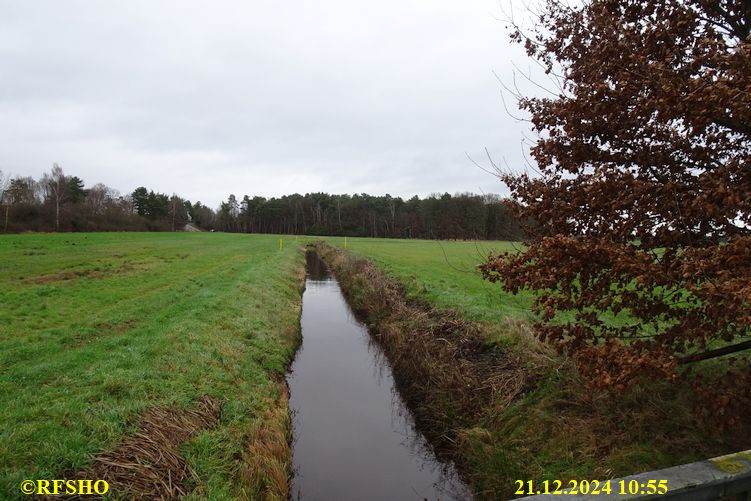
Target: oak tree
x,y
641,256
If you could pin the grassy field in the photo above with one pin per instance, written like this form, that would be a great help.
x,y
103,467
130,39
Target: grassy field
x,y
445,273
96,328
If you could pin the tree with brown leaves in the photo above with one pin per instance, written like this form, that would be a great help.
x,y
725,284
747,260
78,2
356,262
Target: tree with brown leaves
x,y
641,258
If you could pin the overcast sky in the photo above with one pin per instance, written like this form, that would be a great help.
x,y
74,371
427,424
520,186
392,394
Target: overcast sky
x,y
207,98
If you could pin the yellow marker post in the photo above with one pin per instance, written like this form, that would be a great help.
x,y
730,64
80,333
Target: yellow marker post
x,y
345,242
280,245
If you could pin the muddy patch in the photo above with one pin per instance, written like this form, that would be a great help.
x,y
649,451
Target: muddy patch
x,y
81,337
115,328
101,271
59,277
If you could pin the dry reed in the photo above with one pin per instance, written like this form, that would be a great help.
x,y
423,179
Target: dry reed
x,y
148,464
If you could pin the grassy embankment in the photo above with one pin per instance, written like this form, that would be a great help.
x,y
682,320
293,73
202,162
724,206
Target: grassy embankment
x,y
556,428
100,331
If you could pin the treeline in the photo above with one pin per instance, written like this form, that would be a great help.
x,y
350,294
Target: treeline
x,y
59,202
461,216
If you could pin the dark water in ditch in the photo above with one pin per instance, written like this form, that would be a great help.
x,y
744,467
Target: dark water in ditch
x,y
354,439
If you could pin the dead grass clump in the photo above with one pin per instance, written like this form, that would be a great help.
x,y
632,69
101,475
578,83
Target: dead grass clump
x,y
267,466
539,357
148,464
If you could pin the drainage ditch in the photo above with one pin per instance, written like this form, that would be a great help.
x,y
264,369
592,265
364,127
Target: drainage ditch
x,y
354,437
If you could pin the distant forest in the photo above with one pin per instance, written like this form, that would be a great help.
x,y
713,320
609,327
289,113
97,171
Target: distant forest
x,y
58,202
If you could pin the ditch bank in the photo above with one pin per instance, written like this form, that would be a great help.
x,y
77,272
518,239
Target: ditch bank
x,y
454,383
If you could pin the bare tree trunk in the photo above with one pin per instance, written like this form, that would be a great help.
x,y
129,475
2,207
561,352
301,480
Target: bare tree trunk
x,y
54,183
392,209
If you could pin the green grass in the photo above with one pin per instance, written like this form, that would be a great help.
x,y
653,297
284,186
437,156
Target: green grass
x,y
95,328
445,273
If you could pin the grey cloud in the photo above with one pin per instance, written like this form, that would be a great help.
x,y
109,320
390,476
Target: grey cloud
x,y
208,98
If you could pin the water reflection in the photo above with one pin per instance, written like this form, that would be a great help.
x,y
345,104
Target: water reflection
x,y
354,437
316,268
